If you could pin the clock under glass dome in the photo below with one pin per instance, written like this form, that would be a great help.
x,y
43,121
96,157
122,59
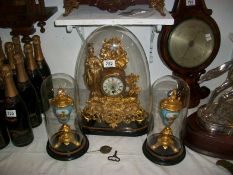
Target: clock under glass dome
x,y
114,83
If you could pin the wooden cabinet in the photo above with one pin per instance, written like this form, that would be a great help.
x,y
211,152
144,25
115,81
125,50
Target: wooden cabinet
x,y
21,15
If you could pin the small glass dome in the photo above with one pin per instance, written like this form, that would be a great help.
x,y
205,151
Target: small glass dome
x,y
65,139
114,84
169,108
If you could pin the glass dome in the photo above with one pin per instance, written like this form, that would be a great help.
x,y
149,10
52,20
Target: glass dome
x,y
114,83
65,139
170,96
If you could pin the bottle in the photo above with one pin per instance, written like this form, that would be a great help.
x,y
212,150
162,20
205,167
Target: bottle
x,y
39,57
4,137
2,54
17,47
9,49
28,92
33,71
16,113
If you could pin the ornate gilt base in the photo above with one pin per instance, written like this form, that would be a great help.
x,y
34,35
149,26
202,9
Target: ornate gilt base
x,y
69,152
163,160
114,116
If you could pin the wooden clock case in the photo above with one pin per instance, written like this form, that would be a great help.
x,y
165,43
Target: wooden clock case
x,y
180,13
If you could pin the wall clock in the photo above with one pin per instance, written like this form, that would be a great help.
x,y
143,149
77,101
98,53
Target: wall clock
x,y
190,45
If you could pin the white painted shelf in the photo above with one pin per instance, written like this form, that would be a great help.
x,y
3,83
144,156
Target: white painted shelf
x,y
92,16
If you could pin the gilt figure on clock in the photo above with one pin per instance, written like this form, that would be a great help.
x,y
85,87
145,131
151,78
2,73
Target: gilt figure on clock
x,y
190,45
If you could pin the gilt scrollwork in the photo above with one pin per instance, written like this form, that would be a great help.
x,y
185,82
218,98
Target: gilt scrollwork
x,y
114,111
113,5
159,6
112,49
69,5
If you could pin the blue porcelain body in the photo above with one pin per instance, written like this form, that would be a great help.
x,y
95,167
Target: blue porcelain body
x,y
63,114
168,116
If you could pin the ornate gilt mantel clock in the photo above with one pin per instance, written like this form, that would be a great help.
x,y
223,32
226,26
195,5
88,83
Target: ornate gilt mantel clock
x,y
190,45
113,105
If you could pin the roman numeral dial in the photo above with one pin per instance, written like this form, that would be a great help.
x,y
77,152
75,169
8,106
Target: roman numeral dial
x,y
113,86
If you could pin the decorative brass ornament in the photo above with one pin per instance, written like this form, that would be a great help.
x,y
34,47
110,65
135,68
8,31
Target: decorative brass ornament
x,y
164,144
62,100
66,137
169,109
112,5
113,94
172,103
112,49
159,6
114,110
63,106
69,5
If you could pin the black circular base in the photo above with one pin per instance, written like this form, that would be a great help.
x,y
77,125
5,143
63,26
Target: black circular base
x,y
133,129
68,155
167,161
99,131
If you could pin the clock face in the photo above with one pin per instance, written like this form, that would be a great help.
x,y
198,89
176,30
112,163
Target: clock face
x,y
113,86
191,43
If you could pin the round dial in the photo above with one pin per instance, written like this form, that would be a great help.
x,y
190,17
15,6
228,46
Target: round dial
x,y
191,43
113,86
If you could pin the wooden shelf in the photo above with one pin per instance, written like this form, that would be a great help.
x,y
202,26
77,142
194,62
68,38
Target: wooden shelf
x,y
92,16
